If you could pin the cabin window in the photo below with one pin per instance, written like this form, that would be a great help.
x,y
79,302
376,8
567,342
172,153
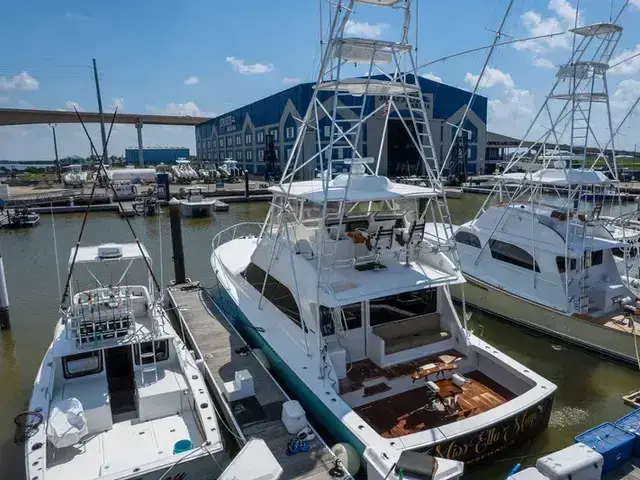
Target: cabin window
x,y
352,317
162,352
561,264
596,258
505,252
468,239
82,364
403,306
277,293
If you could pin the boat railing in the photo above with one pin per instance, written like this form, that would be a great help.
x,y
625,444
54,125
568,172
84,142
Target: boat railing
x,y
239,230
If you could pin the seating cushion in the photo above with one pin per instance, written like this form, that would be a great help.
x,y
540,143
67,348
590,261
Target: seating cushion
x,y
411,333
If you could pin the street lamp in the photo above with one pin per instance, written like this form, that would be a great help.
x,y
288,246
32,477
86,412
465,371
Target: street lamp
x,y
55,148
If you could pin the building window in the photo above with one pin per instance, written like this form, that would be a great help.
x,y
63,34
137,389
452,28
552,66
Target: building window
x,y
274,133
327,131
238,139
215,144
249,155
82,364
505,252
468,239
247,139
561,264
221,155
215,155
276,293
288,153
291,131
229,142
230,155
260,155
239,155
260,137
340,152
222,142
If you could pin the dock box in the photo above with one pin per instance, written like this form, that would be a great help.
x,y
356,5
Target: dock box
x,y
577,462
613,443
528,474
631,423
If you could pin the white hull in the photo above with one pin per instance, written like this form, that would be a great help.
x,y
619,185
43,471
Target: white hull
x,y
452,440
197,209
617,344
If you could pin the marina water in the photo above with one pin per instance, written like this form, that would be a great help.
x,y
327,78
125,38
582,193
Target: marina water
x,y
589,386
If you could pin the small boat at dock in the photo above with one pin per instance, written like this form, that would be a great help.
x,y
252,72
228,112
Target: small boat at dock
x,y
196,204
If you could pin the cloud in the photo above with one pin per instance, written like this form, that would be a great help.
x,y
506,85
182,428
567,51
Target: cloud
x,y
562,19
117,103
186,109
492,77
635,3
290,82
431,76
192,80
365,29
22,81
627,68
71,105
251,69
542,62
4,99
75,16
626,94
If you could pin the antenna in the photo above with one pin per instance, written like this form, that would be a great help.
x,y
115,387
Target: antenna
x,y
104,138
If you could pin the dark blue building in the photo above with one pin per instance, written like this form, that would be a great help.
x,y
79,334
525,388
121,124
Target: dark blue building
x,y
241,134
155,156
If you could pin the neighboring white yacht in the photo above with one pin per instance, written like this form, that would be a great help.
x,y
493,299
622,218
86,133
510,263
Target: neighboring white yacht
x,y
75,177
552,266
349,303
183,171
118,394
196,204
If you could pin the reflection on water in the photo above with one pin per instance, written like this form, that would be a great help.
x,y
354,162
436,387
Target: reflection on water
x,y
590,387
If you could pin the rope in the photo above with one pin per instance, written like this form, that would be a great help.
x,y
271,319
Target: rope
x,y
29,429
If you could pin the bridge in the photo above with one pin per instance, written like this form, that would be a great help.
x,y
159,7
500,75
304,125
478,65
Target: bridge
x,y
17,116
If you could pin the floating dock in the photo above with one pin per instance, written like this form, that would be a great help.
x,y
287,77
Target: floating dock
x,y
217,342
127,209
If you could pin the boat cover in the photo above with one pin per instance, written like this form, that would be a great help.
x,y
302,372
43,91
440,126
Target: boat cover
x,y
67,423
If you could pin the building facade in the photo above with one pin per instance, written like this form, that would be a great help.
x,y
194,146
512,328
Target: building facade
x,y
241,134
155,156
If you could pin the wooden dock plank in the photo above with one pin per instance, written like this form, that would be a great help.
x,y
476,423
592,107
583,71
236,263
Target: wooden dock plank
x,y
218,342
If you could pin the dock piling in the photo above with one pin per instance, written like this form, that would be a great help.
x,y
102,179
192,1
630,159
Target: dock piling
x,y
5,322
176,241
246,184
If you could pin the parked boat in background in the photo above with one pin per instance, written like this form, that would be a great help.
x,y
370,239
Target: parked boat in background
x,y
75,178
548,265
196,204
352,306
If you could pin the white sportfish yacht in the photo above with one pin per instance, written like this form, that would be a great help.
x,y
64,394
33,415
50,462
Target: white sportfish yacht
x,y
118,395
349,303
548,264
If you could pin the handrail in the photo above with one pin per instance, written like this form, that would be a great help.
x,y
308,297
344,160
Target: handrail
x,y
215,243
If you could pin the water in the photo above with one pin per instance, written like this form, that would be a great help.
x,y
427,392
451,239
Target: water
x,y
590,387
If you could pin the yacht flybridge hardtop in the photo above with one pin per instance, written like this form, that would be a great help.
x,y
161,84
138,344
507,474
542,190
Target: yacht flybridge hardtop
x,y
549,262
349,301
118,395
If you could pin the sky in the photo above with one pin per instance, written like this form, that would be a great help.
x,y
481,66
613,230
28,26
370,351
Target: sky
x,y
206,58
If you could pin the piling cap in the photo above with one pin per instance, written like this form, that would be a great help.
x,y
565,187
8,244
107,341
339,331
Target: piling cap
x,y
174,201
